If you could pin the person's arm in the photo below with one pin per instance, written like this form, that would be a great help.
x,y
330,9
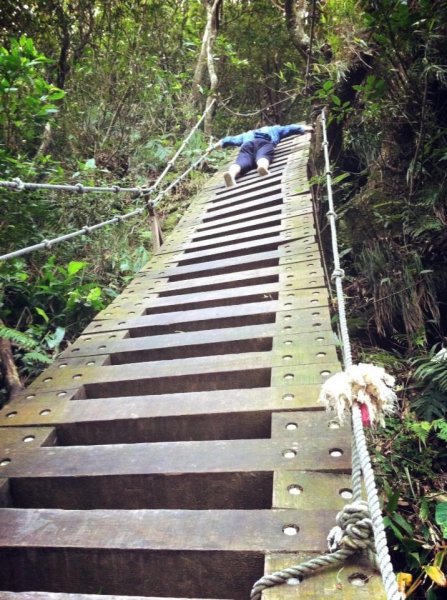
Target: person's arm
x,y
232,140
293,129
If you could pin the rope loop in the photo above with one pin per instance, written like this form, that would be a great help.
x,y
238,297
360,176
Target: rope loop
x,y
331,213
353,529
116,189
338,273
86,229
20,186
46,244
79,188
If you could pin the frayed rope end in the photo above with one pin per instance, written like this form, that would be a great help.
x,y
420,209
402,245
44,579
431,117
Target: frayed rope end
x,y
365,384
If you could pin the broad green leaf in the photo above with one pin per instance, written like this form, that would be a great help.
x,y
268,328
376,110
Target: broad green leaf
x,y
74,266
400,521
436,575
441,517
336,100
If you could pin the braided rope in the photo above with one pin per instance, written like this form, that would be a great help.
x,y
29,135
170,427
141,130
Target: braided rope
x,y
351,534
19,186
359,523
87,229
361,460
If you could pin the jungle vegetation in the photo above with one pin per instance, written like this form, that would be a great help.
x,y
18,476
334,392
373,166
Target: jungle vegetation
x,y
103,91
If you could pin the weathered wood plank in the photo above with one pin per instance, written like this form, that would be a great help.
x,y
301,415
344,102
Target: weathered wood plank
x,y
57,596
251,369
224,295
233,414
215,318
298,489
200,415
170,530
21,437
226,265
273,218
308,453
257,337
330,583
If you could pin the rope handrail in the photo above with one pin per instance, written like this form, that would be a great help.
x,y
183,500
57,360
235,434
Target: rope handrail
x,y
171,162
361,461
87,229
194,165
18,185
346,540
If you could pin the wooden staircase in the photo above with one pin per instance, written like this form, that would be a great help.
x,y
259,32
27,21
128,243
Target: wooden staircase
x,y
177,449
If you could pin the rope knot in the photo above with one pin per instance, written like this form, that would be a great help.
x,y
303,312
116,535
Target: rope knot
x,y
116,188
353,529
338,273
20,186
79,188
331,213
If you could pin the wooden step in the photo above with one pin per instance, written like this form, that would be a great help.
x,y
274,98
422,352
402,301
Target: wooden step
x,y
177,448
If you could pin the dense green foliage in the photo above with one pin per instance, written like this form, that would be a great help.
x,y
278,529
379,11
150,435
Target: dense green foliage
x,y
100,92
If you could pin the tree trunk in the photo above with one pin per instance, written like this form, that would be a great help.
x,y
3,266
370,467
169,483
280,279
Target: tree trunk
x,y
209,35
213,82
8,368
295,11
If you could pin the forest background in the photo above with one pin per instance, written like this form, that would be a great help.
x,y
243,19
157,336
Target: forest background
x,y
104,91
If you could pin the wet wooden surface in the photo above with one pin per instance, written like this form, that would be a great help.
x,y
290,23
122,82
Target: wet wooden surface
x,y
171,449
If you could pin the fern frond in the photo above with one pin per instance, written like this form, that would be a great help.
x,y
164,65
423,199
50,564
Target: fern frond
x,y
17,337
440,426
431,405
36,357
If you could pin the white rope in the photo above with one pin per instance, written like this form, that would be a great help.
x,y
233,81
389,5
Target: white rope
x,y
180,150
194,165
20,186
361,462
87,229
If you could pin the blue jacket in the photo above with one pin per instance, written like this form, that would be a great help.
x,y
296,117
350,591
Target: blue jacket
x,y
276,133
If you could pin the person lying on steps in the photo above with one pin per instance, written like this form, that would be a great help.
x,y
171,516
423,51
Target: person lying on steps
x,y
257,149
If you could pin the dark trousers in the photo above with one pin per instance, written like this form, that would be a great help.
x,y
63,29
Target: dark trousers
x,y
251,152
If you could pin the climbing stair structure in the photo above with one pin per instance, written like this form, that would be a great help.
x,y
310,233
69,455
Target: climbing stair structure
x,y
177,449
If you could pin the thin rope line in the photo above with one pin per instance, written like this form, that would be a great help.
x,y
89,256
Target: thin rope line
x,y
179,151
361,458
87,229
19,186
261,110
194,165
